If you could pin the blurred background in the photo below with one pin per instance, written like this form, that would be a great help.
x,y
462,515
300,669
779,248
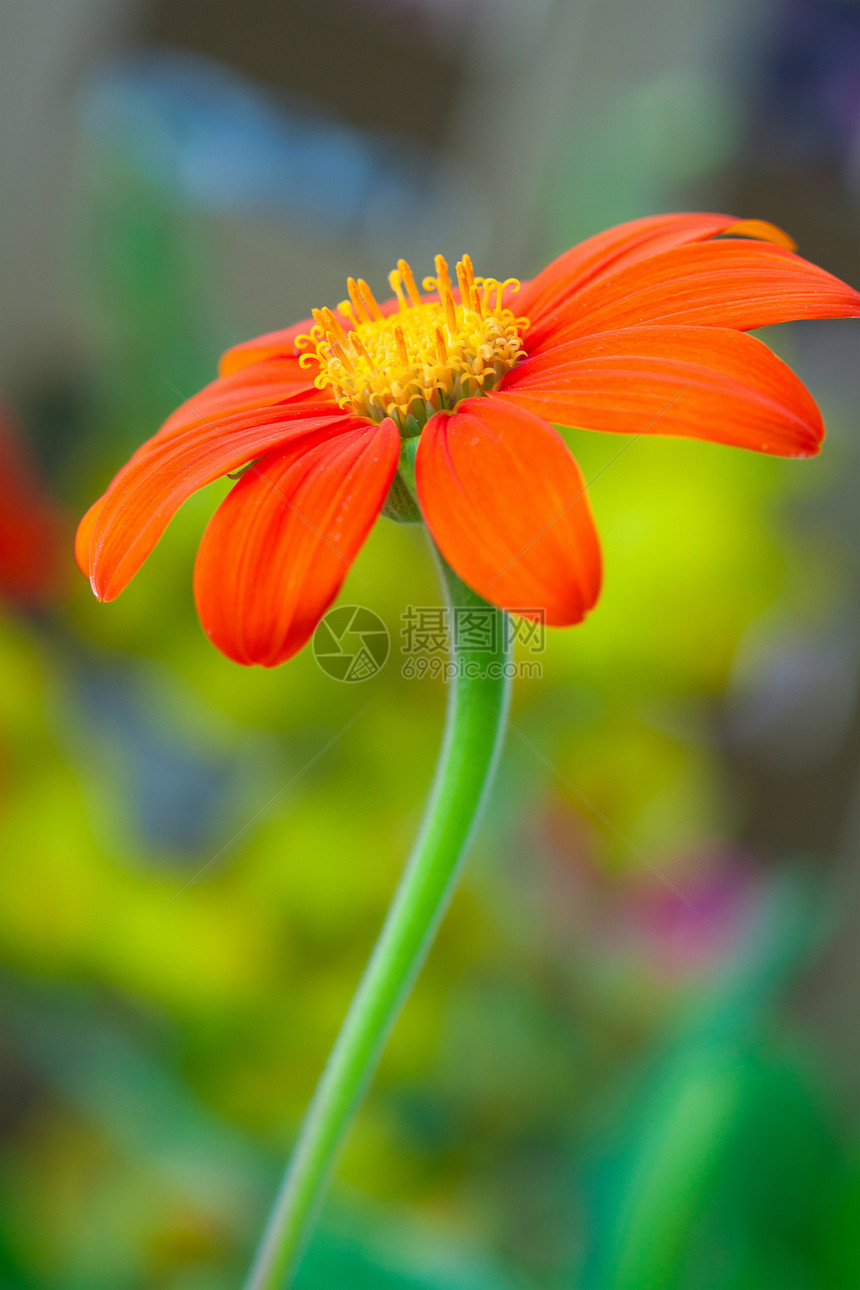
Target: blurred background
x,y
632,1061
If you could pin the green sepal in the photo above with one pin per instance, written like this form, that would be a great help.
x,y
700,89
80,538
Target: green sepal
x,y
401,504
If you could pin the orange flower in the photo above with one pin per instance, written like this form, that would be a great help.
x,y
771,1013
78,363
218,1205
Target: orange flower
x,y
637,330
32,530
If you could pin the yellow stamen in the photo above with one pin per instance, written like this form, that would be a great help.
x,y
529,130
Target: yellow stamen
x,y
332,324
345,308
340,351
359,349
463,283
409,283
427,356
395,280
451,315
442,277
368,300
402,351
357,303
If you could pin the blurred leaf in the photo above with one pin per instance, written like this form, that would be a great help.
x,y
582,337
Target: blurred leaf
x,y
729,1173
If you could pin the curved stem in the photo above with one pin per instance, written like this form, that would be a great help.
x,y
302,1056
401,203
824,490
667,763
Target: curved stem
x,y
477,705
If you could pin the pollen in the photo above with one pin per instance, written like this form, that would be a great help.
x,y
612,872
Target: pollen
x,y
422,357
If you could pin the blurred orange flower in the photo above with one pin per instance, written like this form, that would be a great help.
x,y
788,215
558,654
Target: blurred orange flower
x,y
32,536
637,330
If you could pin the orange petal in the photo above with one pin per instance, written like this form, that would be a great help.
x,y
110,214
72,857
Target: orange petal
x,y
84,536
281,344
508,508
164,472
705,382
723,283
257,385
278,548
763,231
605,253
273,344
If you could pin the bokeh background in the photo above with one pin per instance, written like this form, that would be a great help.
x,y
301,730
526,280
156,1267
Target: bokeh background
x,y
632,1061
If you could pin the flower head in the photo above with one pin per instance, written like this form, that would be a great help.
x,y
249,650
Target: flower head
x,y
425,356
639,330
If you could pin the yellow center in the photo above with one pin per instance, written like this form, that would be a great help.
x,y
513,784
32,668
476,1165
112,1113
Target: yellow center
x,y
421,359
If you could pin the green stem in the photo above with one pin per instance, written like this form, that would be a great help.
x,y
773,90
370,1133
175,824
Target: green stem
x,y
477,704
